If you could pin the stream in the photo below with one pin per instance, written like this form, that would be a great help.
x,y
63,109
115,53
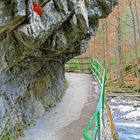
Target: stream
x,y
126,115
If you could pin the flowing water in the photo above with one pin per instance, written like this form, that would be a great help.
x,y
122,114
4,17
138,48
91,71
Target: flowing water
x,y
126,115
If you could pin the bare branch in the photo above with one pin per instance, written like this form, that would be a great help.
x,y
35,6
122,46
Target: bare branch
x,y
123,21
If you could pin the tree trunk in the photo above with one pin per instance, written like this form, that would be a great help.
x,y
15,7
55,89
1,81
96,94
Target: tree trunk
x,y
134,29
137,18
119,49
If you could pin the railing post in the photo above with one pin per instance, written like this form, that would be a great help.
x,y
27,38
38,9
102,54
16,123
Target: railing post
x,y
79,64
91,60
96,71
103,90
98,125
103,101
90,63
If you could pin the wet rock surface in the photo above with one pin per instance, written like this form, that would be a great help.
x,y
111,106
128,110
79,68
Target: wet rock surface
x,y
126,115
34,49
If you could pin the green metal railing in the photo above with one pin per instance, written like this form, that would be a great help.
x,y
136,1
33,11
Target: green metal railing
x,y
93,130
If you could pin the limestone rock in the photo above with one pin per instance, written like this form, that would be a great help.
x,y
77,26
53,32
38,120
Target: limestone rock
x,y
38,109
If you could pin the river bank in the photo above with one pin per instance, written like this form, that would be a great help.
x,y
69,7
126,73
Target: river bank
x,y
125,109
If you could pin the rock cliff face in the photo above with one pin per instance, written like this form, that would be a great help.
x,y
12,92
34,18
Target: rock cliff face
x,y
34,49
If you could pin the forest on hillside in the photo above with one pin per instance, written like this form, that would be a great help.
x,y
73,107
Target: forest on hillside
x,y
117,46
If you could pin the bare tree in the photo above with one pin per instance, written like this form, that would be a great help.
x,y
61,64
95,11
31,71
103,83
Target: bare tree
x,y
134,28
137,18
119,49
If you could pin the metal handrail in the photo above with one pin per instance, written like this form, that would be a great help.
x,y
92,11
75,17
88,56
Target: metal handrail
x,y
99,72
100,107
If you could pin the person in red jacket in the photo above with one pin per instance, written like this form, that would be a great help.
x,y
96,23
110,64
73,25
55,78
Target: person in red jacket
x,y
38,8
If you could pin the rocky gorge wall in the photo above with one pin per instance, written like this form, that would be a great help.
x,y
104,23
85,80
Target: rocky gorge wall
x,y
34,49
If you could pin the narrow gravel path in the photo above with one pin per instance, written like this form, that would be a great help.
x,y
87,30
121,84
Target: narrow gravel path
x,y
69,118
